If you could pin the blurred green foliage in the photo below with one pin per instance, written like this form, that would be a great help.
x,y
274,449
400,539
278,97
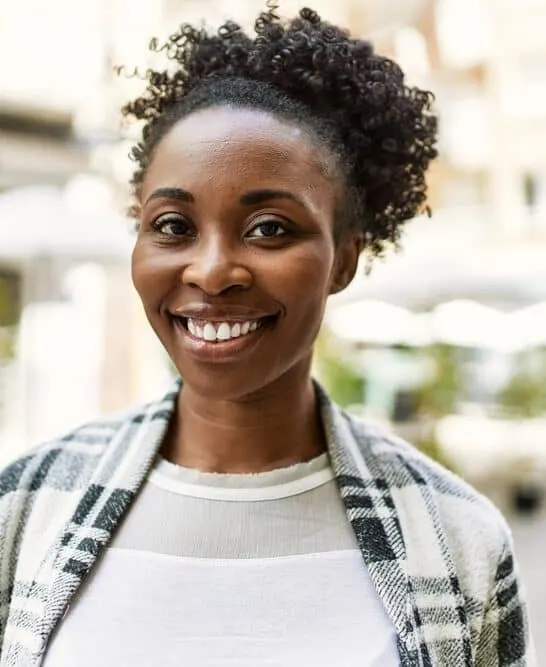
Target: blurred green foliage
x,y
524,395
10,292
439,393
337,371
10,298
7,350
7,345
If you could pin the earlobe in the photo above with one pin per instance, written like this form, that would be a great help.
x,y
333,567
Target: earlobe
x,y
346,263
339,282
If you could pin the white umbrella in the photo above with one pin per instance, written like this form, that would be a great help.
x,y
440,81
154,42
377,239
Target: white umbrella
x,y
527,327
454,256
466,323
371,321
38,221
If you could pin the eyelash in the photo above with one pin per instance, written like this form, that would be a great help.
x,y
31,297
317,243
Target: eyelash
x,y
161,222
271,221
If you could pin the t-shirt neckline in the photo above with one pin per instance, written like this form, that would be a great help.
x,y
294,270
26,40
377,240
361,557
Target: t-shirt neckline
x,y
273,484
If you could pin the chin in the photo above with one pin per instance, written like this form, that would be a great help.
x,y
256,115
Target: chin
x,y
223,386
245,381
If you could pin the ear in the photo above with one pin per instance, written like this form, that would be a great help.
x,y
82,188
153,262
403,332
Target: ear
x,y
346,261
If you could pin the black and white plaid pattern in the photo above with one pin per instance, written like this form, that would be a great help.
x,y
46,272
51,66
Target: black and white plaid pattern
x,y
439,554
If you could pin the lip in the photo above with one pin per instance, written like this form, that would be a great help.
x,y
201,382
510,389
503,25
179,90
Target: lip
x,y
221,351
234,313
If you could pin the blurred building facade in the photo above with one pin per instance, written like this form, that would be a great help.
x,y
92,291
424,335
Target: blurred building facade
x,y
485,60
489,72
67,347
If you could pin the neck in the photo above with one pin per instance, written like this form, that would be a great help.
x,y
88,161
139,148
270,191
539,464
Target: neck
x,y
278,428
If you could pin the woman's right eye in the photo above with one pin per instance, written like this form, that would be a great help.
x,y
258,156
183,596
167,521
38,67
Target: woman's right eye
x,y
171,225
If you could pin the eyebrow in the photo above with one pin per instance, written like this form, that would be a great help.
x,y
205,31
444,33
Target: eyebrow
x,y
264,195
171,193
249,199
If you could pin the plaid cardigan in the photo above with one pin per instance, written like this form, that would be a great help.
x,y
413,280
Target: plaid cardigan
x,y
439,554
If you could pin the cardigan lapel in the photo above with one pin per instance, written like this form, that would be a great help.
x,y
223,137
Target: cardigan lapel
x,y
125,464
372,513
421,604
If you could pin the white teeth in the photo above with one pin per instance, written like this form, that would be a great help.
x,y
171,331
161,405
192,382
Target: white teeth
x,y
223,332
220,331
209,332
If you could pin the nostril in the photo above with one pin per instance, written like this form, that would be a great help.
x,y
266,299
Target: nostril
x,y
217,278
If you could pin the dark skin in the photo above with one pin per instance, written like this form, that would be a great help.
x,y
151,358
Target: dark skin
x,y
237,221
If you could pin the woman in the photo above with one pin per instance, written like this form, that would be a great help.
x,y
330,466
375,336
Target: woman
x,y
244,519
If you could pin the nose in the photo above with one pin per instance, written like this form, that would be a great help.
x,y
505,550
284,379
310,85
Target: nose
x,y
216,268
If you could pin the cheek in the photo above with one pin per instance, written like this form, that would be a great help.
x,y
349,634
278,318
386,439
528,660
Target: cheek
x,y
151,273
139,269
309,284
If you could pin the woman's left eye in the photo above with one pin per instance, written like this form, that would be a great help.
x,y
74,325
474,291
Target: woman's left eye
x,y
268,229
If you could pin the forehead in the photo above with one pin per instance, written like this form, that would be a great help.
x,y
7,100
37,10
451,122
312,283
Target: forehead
x,y
237,147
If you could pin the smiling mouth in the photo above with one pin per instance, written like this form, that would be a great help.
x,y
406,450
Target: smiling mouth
x,y
221,332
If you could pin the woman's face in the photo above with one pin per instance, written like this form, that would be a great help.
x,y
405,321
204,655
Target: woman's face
x,y
235,255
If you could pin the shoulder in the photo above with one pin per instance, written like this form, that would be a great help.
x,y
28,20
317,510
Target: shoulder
x,y
68,461
472,524
64,461
456,541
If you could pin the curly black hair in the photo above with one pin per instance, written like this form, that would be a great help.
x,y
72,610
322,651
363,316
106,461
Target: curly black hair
x,y
382,132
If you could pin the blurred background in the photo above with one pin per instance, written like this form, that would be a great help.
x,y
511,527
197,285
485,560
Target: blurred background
x,y
445,340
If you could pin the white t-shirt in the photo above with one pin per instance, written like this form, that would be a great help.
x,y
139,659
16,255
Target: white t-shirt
x,y
219,570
